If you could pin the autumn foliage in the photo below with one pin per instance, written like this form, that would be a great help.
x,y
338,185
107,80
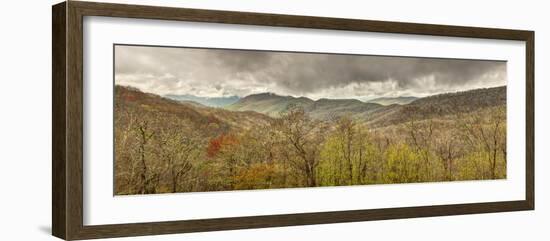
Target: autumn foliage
x,y
222,141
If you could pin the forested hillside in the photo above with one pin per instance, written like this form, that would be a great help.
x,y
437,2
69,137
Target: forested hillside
x,y
323,109
269,103
269,141
436,106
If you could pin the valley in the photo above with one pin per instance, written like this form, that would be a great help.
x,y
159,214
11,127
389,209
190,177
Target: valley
x,y
178,143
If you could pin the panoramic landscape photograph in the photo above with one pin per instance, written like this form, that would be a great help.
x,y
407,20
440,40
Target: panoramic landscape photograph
x,y
203,119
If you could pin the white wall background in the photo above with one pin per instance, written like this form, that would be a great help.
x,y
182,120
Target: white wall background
x,y
25,119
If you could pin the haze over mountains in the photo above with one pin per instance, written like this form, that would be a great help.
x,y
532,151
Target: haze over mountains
x,y
387,111
207,101
230,100
273,105
401,100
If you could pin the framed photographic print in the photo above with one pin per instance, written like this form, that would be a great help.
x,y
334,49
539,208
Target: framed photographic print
x,y
171,120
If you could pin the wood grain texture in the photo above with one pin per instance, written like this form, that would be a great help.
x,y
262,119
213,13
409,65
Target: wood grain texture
x,y
530,120
74,130
58,121
122,230
263,19
67,78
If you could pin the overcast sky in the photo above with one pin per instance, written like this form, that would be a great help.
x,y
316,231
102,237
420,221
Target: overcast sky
x,y
215,73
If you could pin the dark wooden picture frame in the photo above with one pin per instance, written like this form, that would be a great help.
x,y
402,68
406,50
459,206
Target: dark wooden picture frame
x,y
67,124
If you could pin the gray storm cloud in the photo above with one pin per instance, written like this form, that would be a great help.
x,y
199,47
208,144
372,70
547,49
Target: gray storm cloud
x,y
217,72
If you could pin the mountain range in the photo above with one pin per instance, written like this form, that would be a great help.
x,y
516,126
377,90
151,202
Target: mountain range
x,y
207,101
261,108
401,100
390,110
249,144
274,105
230,101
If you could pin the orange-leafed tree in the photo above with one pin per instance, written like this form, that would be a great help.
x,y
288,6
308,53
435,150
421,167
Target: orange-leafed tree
x,y
215,145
